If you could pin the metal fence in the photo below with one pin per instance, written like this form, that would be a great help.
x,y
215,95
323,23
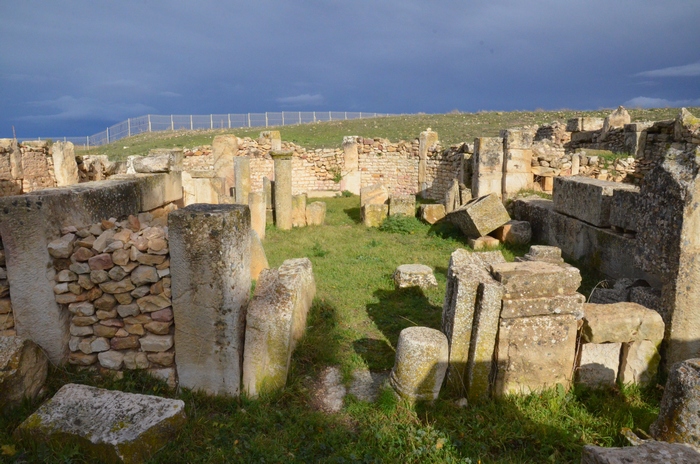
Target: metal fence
x,y
173,122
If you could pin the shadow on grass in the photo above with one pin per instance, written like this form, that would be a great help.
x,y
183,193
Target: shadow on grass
x,y
377,354
446,230
355,214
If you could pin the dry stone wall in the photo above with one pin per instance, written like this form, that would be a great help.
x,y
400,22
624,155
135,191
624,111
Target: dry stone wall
x,y
7,319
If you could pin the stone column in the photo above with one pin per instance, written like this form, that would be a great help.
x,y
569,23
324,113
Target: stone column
x,y
241,170
421,362
271,137
283,189
488,166
352,179
210,267
256,202
426,140
517,167
64,165
223,149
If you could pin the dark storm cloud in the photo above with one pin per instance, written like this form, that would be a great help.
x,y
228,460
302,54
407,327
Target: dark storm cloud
x,y
74,67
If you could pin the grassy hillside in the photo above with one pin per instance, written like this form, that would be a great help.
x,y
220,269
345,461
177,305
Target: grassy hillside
x,y
452,128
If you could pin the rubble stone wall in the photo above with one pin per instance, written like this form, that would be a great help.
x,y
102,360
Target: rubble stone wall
x,y
7,319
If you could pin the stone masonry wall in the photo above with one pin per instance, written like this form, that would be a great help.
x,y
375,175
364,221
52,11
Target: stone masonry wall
x,y
7,320
114,278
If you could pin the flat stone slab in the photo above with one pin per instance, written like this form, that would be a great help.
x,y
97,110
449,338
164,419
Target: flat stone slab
x,y
586,199
414,275
532,279
550,254
112,426
480,216
524,307
649,452
620,322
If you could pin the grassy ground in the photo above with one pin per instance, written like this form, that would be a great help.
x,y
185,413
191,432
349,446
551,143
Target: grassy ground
x,y
355,321
452,129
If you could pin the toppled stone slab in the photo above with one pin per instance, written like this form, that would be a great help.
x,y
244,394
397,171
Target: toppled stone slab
x,y
678,420
620,322
376,194
514,232
533,279
599,364
561,304
549,254
374,214
480,216
402,204
586,199
432,213
112,426
649,452
414,275
421,362
23,369
275,322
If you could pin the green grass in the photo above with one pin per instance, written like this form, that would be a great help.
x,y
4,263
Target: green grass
x,y
354,322
451,128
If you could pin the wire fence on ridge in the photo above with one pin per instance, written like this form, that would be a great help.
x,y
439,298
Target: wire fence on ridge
x,y
173,122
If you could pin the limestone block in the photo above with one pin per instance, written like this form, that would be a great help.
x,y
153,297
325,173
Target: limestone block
x,y
514,232
518,138
258,217
64,165
465,195
678,420
258,259
299,210
550,254
241,172
617,119
623,209
376,194
561,304
421,362
275,323
209,295
432,213
480,216
639,362
484,184
533,279
402,205
109,425
464,274
586,199
535,353
414,275
223,150
23,370
620,322
483,243
649,452
514,182
483,341
159,160
488,155
599,364
316,213
452,197
283,189
374,214
584,124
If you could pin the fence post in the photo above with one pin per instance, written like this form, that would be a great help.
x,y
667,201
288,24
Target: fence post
x,y
248,119
314,116
172,123
265,118
283,118
211,121
191,126
149,123
299,117
330,116
360,114
128,126
87,142
346,115
108,135
229,120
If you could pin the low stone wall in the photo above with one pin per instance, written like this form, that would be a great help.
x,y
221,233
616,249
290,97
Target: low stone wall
x,y
7,318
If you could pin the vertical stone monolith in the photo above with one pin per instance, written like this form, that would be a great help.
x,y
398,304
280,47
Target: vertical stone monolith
x,y
283,189
210,266
241,170
258,216
64,165
351,179
487,174
223,149
299,210
427,139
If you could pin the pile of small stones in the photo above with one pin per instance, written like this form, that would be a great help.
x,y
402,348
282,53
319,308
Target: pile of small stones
x,y
113,277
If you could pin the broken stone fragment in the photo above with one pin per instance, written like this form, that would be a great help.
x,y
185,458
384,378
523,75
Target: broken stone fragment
x,y
23,370
414,275
432,213
678,419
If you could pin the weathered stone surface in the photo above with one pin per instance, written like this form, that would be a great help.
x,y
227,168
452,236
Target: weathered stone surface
x,y
241,174
480,216
376,194
586,199
678,420
649,452
488,166
275,322
23,370
101,262
258,259
121,286
620,322
111,426
452,197
62,247
483,243
209,296
156,343
465,272
514,232
623,209
258,210
316,213
561,304
599,364
283,189
374,214
432,213
584,124
159,160
125,343
639,362
64,164
421,362
143,275
535,353
533,279
402,204
135,360
414,275
299,210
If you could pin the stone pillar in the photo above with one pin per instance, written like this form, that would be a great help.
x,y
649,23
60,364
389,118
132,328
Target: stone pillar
x,y
64,165
210,267
352,178
299,210
517,166
575,164
273,138
427,139
267,192
283,189
421,362
488,166
223,149
256,203
241,170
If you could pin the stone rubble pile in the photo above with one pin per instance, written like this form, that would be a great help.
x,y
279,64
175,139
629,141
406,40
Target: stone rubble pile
x,y
114,278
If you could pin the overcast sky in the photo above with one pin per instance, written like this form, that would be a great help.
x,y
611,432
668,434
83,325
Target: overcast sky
x,y
73,67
